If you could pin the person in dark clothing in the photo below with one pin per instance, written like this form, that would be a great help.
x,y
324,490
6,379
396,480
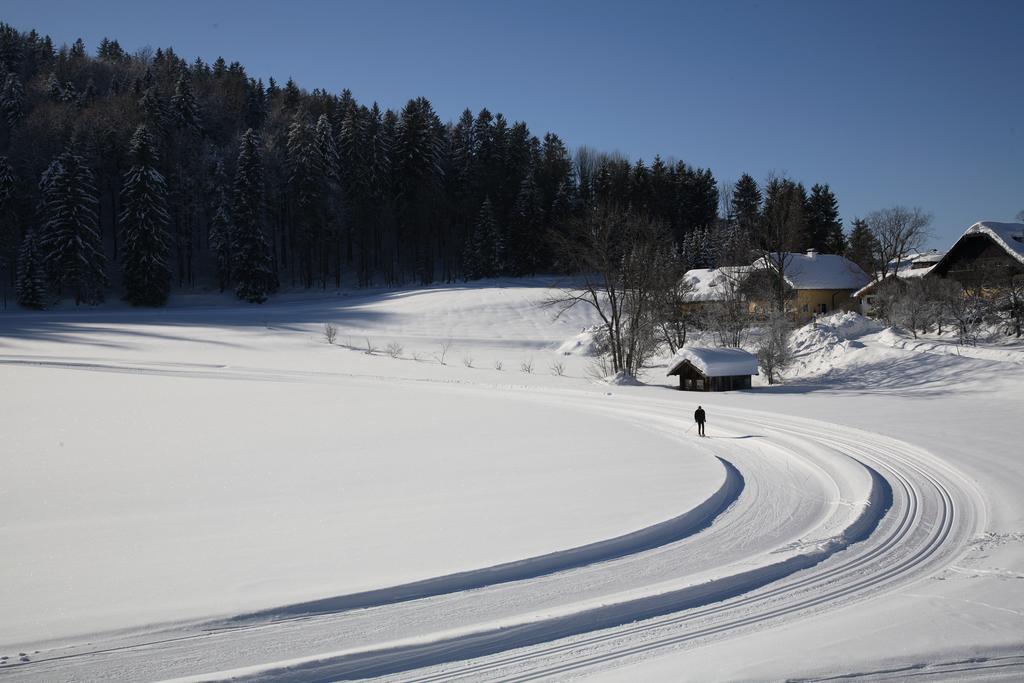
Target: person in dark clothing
x,y
700,417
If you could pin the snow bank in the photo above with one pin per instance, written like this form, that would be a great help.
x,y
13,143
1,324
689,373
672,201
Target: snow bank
x,y
586,343
1009,351
622,378
820,346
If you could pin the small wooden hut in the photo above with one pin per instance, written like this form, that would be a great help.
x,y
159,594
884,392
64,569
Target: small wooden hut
x,y
712,369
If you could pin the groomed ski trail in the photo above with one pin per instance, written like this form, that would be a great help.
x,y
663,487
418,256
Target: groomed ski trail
x,y
570,617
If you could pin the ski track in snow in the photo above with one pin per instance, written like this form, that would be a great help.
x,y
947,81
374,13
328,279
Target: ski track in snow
x,y
874,514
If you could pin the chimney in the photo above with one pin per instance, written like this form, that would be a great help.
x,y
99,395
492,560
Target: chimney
x,y
812,252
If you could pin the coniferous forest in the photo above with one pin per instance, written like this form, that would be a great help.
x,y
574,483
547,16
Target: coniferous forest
x,y
131,175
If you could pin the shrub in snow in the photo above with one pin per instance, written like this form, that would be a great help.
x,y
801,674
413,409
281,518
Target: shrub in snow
x,y
330,332
622,379
393,349
467,360
526,366
446,346
558,368
773,352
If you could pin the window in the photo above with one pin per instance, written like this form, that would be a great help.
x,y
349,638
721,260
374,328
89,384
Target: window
x,y
824,308
805,308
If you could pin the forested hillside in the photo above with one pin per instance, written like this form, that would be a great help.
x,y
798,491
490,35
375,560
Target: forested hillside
x,y
132,174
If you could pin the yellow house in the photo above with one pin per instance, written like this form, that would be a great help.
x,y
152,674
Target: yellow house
x,y
822,283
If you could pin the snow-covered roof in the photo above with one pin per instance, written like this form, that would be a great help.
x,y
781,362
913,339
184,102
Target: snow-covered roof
x,y
931,256
712,284
913,266
821,271
1010,236
714,362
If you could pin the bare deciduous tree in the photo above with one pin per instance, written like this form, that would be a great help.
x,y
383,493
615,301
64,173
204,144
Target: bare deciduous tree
x,y
672,321
1010,305
898,232
914,307
773,352
727,316
943,295
626,263
968,313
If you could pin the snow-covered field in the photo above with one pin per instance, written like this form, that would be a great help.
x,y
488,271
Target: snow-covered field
x,y
213,490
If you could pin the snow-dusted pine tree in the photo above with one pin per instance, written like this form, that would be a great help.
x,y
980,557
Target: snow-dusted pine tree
x,y
143,223
11,99
483,249
221,229
31,284
184,109
221,239
304,181
525,248
253,268
70,239
8,220
54,90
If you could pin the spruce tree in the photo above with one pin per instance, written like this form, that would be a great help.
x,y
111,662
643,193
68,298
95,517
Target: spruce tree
x,y
8,227
184,109
253,267
862,247
71,239
483,251
31,288
221,229
525,245
143,223
824,229
304,174
746,205
11,99
54,90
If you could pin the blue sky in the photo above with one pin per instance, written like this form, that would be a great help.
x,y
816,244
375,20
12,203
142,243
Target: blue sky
x,y
914,103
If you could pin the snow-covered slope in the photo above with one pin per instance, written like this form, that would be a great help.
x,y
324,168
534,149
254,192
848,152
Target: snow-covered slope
x,y
862,517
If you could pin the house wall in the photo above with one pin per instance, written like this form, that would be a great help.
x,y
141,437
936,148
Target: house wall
x,y
822,301
807,302
977,262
